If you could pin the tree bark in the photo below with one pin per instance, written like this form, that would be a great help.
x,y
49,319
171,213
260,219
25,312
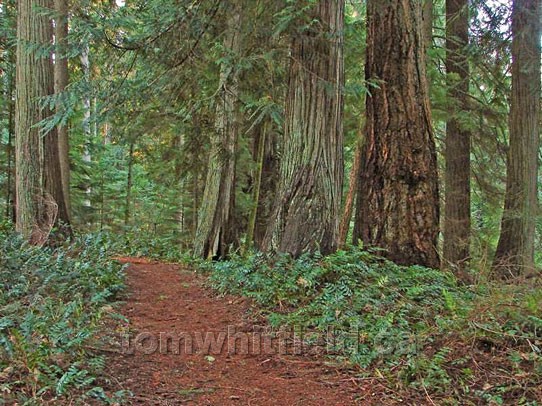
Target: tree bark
x,y
259,157
10,91
457,213
269,178
52,171
39,203
61,82
52,180
215,231
515,250
9,157
308,201
28,146
398,201
427,16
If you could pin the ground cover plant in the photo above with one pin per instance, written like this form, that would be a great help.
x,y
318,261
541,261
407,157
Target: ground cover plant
x,y
414,328
52,304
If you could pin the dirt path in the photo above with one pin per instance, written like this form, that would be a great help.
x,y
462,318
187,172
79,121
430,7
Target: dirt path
x,y
165,298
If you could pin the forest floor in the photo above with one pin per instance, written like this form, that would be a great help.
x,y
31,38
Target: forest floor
x,y
170,299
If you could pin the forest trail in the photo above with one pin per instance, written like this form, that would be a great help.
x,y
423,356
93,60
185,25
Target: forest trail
x,y
170,299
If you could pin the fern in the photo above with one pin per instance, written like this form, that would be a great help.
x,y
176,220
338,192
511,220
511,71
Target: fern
x,y
51,304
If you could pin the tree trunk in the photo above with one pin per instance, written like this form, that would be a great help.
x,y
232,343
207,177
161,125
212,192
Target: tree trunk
x,y
344,226
10,89
515,250
215,232
196,203
398,202
196,174
308,201
260,154
129,182
52,181
87,158
427,17
54,178
28,147
39,202
457,215
61,81
180,180
269,178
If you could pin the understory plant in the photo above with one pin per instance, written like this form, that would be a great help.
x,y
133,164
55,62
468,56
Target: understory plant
x,y
413,329
52,304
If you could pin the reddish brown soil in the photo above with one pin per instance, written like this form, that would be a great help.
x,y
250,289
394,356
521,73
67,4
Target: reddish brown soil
x,y
167,298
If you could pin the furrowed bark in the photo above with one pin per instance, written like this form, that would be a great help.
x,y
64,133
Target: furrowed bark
x,y
308,202
398,201
215,231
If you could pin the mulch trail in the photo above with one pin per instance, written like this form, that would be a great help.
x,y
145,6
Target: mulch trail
x,y
166,298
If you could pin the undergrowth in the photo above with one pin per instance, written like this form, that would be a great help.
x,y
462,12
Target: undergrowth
x,y
412,329
51,305
135,242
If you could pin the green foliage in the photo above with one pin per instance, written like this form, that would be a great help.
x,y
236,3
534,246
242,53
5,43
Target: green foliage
x,y
135,243
393,308
51,306
412,326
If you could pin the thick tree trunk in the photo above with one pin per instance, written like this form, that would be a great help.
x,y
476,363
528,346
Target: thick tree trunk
x,y
52,181
515,250
28,146
398,202
215,232
457,215
61,81
308,202
52,171
427,17
36,210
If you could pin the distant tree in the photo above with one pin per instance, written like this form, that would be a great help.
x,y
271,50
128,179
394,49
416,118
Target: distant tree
x,y
267,169
457,210
308,200
353,184
61,82
398,201
7,100
515,250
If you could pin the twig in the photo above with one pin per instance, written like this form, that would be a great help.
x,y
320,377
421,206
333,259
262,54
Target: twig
x,y
234,388
502,333
427,395
88,347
